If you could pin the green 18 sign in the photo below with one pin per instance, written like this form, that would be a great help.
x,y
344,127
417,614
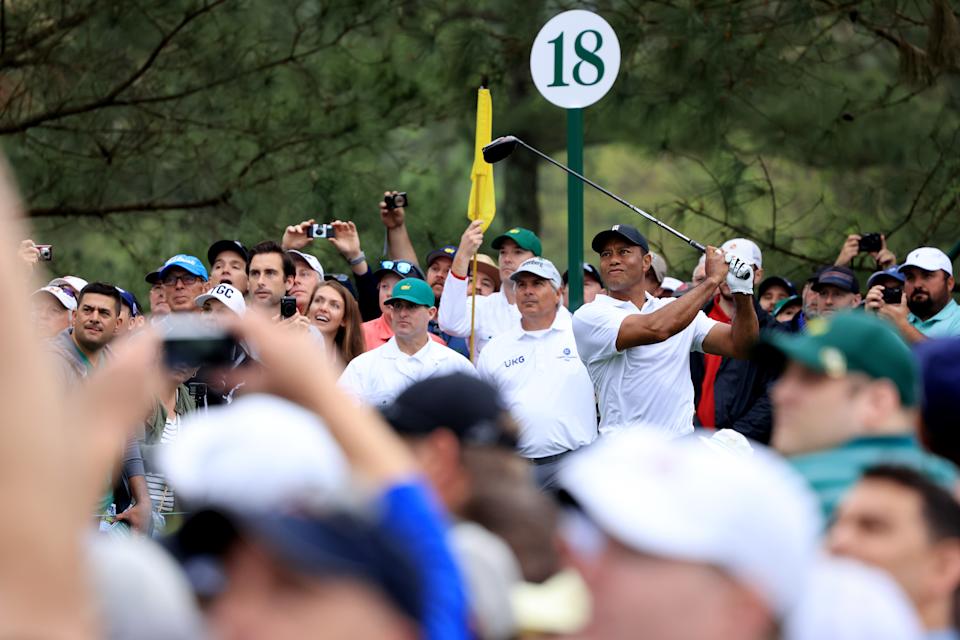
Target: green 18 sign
x,y
575,59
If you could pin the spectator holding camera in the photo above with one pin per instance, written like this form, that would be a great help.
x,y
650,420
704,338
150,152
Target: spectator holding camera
x,y
926,308
873,244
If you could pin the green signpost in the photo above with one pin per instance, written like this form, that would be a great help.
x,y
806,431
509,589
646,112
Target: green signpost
x,y
574,61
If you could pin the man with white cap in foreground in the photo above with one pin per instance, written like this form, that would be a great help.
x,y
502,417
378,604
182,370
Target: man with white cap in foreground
x,y
668,551
926,309
538,371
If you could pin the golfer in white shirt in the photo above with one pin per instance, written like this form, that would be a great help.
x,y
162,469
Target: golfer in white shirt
x,y
537,370
497,312
377,377
637,347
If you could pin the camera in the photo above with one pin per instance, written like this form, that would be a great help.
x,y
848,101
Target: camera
x,y
321,231
870,242
892,295
46,252
397,201
191,341
288,307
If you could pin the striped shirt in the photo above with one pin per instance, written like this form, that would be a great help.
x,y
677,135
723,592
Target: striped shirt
x,y
161,494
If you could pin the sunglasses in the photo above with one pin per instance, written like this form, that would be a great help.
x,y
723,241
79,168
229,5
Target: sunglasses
x,y
400,266
187,279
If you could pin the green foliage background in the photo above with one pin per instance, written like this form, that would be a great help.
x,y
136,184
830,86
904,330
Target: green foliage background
x,y
139,130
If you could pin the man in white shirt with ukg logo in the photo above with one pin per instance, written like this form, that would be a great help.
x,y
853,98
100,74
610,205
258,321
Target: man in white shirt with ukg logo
x,y
537,370
637,347
377,377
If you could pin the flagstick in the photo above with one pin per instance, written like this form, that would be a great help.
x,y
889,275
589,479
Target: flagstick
x,y
473,307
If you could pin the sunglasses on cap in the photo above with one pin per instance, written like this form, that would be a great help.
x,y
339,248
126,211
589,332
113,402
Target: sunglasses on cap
x,y
400,266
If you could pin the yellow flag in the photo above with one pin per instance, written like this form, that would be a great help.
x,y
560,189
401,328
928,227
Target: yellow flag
x,y
483,202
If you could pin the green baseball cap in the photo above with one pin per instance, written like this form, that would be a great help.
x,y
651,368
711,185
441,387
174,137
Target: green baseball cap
x,y
413,290
524,237
848,342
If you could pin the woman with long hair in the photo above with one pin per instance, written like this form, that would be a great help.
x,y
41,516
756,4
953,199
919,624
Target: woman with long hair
x,y
334,311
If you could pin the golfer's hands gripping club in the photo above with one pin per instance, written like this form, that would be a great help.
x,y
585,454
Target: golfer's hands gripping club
x,y
739,275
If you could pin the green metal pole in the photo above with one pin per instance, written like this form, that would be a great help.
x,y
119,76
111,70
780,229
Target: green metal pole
x,y
575,209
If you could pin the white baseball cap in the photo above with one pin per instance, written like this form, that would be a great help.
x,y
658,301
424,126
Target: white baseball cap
x,y
846,600
228,295
671,284
760,523
540,267
77,284
928,259
309,259
258,453
659,266
746,250
64,298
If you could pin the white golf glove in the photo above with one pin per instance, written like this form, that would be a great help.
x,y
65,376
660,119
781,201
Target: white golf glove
x,y
740,275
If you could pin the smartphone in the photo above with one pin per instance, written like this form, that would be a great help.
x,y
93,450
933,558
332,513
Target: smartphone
x,y
46,252
288,307
321,231
870,242
189,341
892,295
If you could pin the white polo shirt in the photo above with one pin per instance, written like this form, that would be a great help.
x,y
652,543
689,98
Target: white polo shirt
x,y
377,377
545,385
649,384
495,315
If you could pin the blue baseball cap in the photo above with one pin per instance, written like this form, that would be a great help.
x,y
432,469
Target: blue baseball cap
x,y
190,264
892,272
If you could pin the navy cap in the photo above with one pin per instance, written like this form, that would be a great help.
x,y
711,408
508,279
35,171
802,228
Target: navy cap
x,y
841,277
892,272
588,270
623,232
449,251
402,268
153,277
466,405
940,373
776,281
131,301
339,543
220,246
344,280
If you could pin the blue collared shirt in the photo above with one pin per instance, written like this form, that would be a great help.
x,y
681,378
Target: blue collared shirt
x,y
944,324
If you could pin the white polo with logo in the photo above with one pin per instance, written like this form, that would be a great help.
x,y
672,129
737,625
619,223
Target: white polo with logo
x,y
545,385
648,385
378,376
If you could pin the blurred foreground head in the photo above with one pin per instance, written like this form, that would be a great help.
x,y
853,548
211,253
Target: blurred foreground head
x,y
282,539
667,548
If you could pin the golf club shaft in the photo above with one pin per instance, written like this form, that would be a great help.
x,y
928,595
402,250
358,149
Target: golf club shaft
x,y
693,243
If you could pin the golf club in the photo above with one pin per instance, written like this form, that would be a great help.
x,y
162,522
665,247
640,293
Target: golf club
x,y
503,146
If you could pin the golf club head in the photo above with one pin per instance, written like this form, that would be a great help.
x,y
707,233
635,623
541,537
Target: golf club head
x,y
500,148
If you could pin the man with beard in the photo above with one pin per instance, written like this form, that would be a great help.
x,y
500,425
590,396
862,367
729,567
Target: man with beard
x,y
926,309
